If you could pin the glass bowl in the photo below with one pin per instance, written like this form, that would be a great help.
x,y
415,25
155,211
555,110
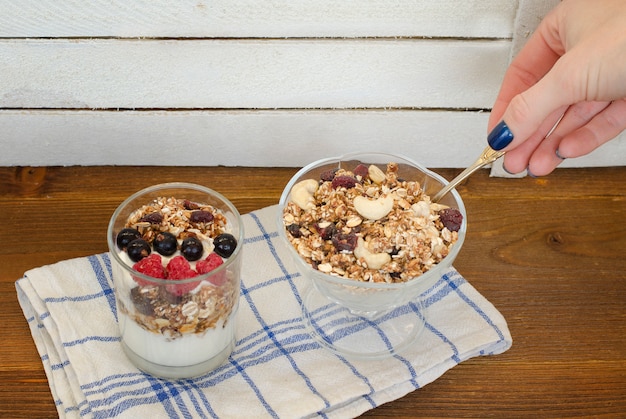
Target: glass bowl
x,y
368,319
185,327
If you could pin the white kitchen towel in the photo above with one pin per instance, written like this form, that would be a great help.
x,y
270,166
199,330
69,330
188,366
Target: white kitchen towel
x,y
276,370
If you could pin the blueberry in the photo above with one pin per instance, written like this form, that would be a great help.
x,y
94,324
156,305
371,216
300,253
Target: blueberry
x,y
191,248
125,236
225,244
138,249
165,243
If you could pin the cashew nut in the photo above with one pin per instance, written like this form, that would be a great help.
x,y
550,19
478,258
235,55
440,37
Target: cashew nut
x,y
377,175
373,209
302,193
373,260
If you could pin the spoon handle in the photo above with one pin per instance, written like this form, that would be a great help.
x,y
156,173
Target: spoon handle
x,y
488,155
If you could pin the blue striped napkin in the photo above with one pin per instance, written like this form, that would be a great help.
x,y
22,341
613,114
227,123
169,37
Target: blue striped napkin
x,y
276,369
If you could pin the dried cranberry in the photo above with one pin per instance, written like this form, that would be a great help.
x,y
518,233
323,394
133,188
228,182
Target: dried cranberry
x,y
190,205
152,218
451,218
344,181
201,217
326,230
361,171
344,242
328,175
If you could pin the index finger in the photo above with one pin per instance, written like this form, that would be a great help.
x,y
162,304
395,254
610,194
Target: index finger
x,y
529,66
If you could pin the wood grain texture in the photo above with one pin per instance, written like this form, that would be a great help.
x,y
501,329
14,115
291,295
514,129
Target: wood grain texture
x,y
253,18
547,252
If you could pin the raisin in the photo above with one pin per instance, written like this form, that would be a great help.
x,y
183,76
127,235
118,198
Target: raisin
x,y
344,181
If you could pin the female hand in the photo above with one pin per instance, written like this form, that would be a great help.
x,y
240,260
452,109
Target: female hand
x,y
572,71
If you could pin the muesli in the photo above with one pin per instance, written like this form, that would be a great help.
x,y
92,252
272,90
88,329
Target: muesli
x,y
176,240
369,225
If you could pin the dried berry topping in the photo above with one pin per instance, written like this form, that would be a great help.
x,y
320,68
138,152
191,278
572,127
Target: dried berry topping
x,y
361,172
451,218
345,242
294,230
125,236
326,230
152,218
328,175
165,243
190,205
138,249
201,217
191,248
225,244
344,181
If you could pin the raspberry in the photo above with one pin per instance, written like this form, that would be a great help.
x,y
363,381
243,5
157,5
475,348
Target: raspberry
x,y
344,181
151,266
451,218
177,269
211,262
207,265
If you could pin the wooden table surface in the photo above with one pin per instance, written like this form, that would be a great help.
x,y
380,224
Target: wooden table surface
x,y
549,253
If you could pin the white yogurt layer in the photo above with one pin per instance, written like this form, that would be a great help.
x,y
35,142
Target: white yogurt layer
x,y
184,350
188,349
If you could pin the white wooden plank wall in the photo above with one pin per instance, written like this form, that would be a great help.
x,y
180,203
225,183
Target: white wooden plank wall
x,y
251,83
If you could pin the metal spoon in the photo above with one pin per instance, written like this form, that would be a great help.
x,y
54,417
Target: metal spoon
x,y
489,155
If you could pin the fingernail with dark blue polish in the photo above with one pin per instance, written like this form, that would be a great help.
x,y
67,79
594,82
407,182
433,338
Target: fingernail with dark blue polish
x,y
559,154
530,174
500,136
